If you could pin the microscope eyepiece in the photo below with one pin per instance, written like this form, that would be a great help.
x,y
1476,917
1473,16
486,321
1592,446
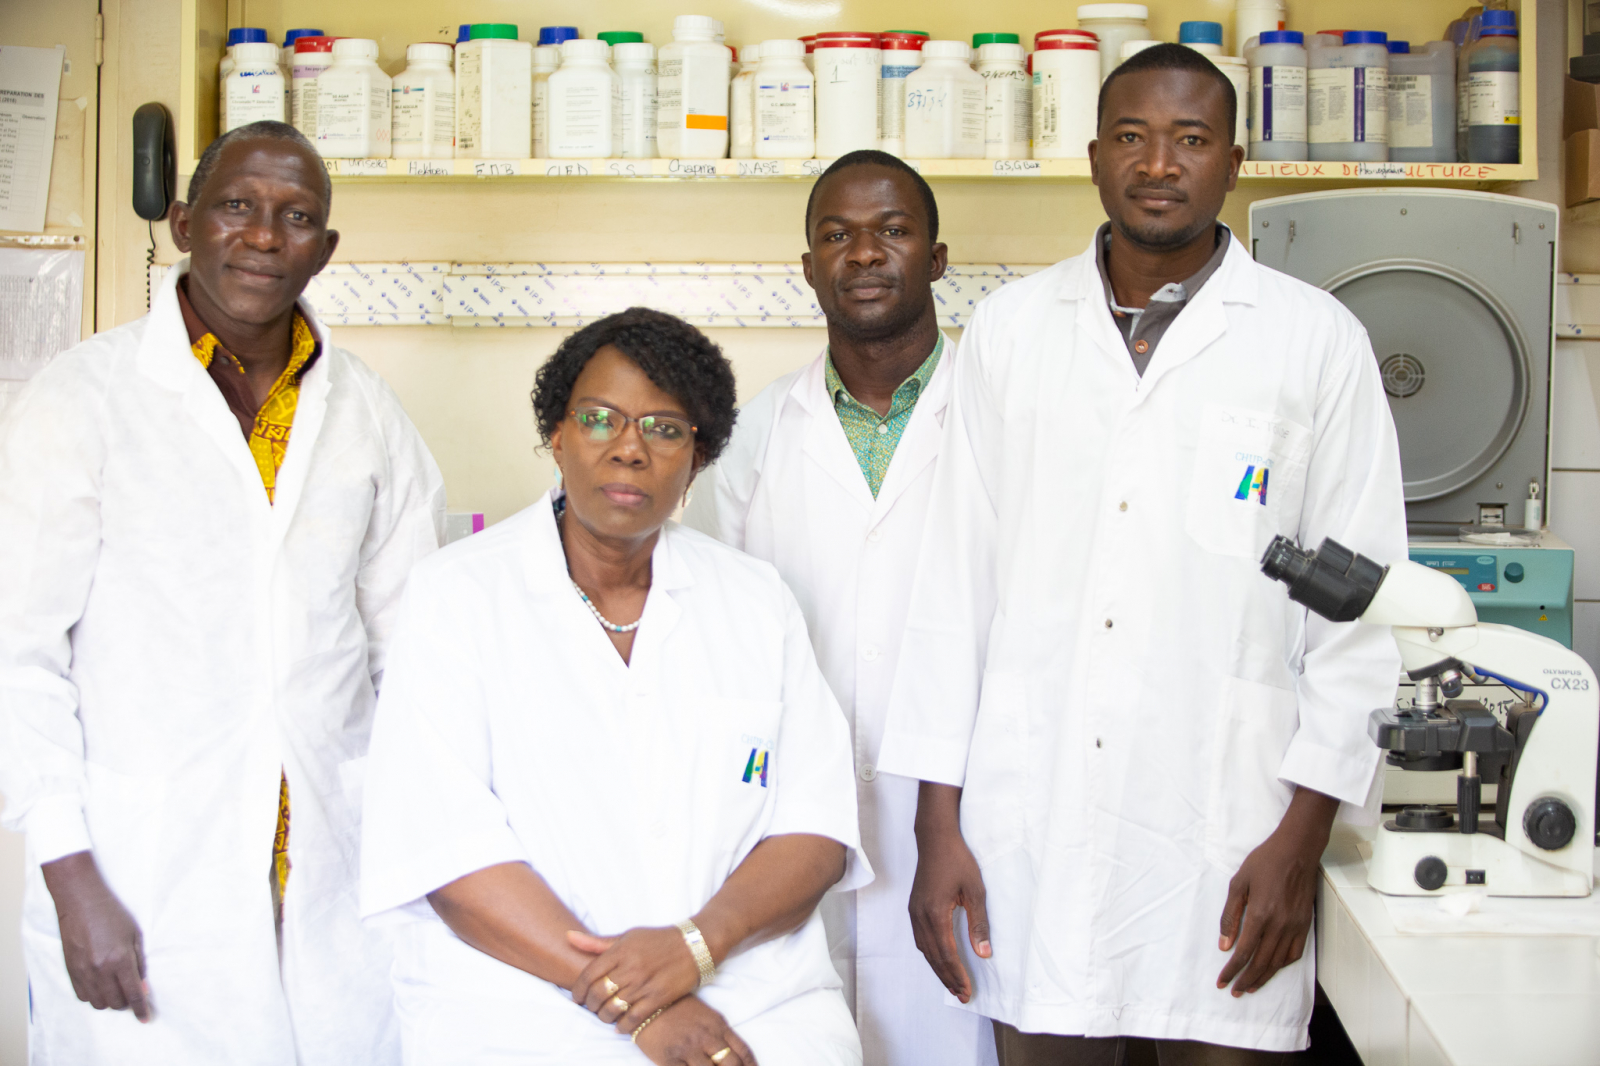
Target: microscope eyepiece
x,y
1332,581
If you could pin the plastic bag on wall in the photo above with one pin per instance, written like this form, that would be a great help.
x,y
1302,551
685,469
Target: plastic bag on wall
x,y
41,306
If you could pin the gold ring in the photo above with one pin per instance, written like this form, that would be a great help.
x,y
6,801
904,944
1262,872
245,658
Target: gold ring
x,y
716,1060
612,988
621,1003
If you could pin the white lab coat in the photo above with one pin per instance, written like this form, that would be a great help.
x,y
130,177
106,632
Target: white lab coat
x,y
168,641
1095,656
788,489
510,730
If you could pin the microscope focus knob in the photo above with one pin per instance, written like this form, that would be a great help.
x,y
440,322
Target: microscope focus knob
x,y
1549,823
1431,872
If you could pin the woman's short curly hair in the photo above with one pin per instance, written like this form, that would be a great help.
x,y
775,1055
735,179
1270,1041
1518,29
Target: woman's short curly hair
x,y
682,361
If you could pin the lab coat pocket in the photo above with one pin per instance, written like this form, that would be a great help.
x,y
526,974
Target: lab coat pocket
x,y
744,756
992,798
126,816
1248,480
1255,723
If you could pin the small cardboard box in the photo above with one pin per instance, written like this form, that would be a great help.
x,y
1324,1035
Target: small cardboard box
x,y
1583,167
1581,109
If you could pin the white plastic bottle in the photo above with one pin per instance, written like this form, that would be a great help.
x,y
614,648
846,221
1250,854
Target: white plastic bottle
x,y
494,94
849,70
742,105
945,101
785,109
902,54
546,61
636,74
1238,72
1066,87
1347,100
693,75
1278,96
255,89
1113,24
1008,101
1422,103
1203,37
312,56
1251,18
424,104
353,119
236,36
583,100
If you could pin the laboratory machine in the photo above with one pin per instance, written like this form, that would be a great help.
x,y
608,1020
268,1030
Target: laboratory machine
x,y
1539,838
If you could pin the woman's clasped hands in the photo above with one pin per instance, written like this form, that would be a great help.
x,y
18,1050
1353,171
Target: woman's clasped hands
x,y
642,982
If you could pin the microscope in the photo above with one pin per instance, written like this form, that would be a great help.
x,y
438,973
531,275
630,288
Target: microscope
x,y
1539,839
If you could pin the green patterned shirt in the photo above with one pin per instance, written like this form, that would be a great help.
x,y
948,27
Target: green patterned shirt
x,y
874,437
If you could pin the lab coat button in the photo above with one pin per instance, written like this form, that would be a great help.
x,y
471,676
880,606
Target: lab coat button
x,y
1123,506
1108,623
875,536
869,772
869,652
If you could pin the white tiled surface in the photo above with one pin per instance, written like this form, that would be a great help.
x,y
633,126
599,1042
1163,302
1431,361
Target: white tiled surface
x,y
1450,1000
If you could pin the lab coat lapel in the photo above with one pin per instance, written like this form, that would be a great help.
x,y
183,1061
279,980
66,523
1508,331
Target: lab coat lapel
x,y
825,442
919,443
310,411
1093,321
1205,318
166,357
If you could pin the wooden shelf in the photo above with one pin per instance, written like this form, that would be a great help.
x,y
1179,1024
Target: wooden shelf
x,y
1069,171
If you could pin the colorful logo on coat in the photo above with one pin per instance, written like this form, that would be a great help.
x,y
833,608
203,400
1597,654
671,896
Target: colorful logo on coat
x,y
1253,484
756,767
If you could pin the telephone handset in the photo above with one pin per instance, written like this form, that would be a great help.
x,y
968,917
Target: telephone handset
x,y
154,162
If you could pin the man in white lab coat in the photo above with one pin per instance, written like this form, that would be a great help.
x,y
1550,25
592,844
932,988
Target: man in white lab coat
x,y
207,517
827,477
1132,745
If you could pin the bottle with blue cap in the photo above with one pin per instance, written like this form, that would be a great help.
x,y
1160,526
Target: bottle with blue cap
x,y
1347,100
1494,85
237,35
1422,102
554,35
1203,37
1278,96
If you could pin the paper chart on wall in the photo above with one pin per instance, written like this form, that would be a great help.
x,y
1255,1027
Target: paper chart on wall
x,y
30,86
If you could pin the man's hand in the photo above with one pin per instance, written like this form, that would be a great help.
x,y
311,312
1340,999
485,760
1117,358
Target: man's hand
x,y
101,941
947,877
647,969
1274,893
689,1033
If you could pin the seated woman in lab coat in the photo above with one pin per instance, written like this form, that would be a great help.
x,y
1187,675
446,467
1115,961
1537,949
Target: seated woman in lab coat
x,y
608,785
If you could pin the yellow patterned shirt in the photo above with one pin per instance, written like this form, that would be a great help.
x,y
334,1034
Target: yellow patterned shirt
x,y
268,439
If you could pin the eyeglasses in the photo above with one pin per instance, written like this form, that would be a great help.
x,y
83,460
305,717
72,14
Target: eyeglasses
x,y
659,432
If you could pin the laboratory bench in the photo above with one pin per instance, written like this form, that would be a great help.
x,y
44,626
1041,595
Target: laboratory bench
x,y
1514,983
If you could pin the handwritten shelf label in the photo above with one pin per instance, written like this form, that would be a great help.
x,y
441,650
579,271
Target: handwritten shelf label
x,y
692,168
1380,170
428,168
628,168
569,169
760,168
496,168
1006,167
363,167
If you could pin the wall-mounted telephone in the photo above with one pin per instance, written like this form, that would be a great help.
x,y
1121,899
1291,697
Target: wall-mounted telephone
x,y
154,162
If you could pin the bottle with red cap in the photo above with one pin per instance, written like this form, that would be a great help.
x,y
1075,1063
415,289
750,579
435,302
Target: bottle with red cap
x,y
849,103
1066,85
901,54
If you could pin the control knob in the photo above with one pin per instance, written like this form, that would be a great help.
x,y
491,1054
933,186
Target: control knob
x,y
1549,823
1431,872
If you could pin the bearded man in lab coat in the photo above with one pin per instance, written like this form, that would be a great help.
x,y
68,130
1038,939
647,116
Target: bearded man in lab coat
x,y
207,517
1132,745
827,477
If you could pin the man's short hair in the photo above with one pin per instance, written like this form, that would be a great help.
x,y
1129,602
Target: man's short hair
x,y
265,130
865,157
1172,57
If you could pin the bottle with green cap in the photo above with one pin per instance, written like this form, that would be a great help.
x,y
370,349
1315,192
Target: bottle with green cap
x,y
494,94
616,37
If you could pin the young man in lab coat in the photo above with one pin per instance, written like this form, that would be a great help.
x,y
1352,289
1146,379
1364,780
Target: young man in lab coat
x,y
1132,745
827,477
207,517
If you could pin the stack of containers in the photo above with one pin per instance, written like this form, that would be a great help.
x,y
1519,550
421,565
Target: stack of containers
x,y
742,104
494,94
312,56
849,71
424,108
254,91
1278,96
1347,99
902,54
353,100
1113,24
785,102
1008,96
636,75
546,61
1422,103
1493,65
1066,84
945,101
236,36
584,101
693,77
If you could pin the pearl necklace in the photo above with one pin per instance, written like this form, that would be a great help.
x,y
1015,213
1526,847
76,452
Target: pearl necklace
x,y
602,619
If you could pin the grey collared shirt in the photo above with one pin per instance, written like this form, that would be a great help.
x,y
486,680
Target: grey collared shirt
x,y
1143,327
